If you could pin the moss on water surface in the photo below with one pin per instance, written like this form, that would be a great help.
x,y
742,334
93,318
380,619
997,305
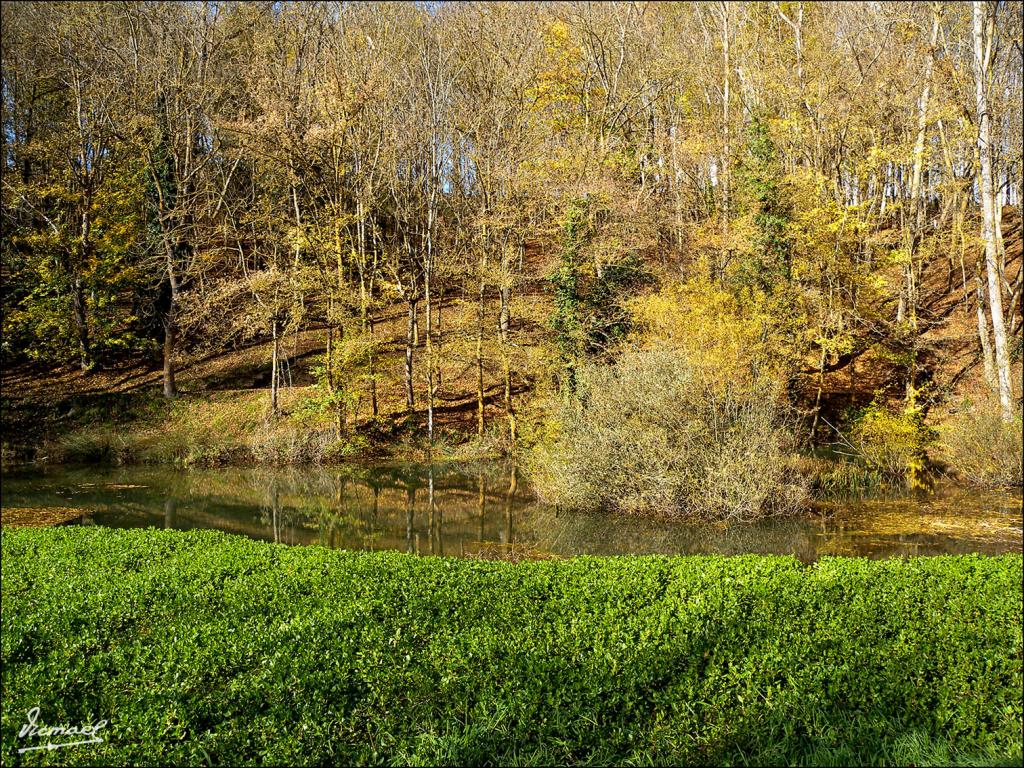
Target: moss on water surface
x,y
200,646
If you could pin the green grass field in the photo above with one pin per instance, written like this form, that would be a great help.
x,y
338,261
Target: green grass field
x,y
201,647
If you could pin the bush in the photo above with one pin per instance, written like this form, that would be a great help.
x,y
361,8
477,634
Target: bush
x,y
650,435
892,442
982,448
200,647
725,337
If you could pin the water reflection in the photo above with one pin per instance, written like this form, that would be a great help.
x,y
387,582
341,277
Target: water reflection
x,y
489,510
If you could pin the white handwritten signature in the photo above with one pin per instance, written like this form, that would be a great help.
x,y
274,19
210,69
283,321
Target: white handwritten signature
x,y
31,730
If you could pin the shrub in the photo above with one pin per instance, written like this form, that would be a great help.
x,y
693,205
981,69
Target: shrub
x,y
893,442
202,648
277,440
982,448
649,435
725,337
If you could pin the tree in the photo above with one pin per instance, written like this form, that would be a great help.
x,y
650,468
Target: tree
x,y
984,29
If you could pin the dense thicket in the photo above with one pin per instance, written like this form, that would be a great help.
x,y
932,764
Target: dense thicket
x,y
201,647
199,174
650,435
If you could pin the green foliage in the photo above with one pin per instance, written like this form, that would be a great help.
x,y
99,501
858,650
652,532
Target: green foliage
x,y
342,379
653,435
201,647
565,286
981,447
761,190
37,302
588,317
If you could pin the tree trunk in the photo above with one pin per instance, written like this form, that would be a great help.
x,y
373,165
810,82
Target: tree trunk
x,y
982,66
170,338
503,312
427,269
480,347
503,330
171,318
410,343
983,334
365,296
374,409
726,146
480,366
330,358
817,397
273,368
913,223
343,388
437,350
81,324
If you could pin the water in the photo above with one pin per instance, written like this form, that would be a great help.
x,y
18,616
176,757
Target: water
x,y
489,511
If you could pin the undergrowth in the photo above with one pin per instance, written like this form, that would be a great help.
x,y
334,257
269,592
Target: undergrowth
x,y
201,647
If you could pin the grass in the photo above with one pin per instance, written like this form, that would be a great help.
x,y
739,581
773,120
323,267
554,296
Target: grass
x,y
234,427
830,476
213,429
202,647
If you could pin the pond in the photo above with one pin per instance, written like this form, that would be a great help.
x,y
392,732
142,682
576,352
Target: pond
x,y
488,510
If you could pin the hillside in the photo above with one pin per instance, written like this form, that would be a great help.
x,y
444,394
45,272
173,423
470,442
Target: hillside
x,y
41,404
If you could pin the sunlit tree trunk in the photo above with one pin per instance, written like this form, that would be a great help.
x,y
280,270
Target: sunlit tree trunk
x,y
480,335
726,141
274,366
374,407
480,363
503,327
913,223
984,32
429,338
410,343
983,333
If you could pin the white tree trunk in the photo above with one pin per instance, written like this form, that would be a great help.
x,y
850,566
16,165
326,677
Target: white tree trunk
x,y
990,223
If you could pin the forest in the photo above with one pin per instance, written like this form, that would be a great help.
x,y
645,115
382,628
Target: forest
x,y
511,383
497,222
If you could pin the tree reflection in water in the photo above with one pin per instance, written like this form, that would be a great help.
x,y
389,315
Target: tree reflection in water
x,y
488,509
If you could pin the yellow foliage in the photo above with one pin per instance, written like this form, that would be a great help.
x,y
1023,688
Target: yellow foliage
x,y
724,342
893,442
